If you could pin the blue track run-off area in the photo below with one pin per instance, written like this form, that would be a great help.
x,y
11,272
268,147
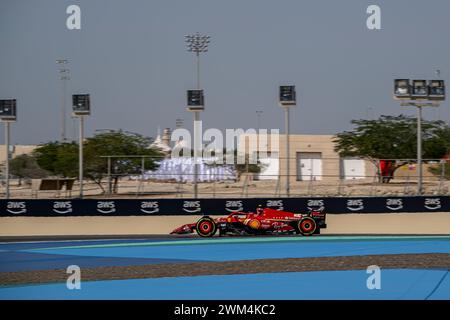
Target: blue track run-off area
x,y
395,283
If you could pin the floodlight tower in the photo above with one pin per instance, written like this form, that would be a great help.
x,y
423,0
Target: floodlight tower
x,y
196,43
8,114
287,99
258,119
64,76
179,123
81,107
419,94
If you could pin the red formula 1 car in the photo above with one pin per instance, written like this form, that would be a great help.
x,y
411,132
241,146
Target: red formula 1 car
x,y
263,222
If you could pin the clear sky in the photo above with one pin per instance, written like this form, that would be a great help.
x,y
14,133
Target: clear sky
x,y
131,57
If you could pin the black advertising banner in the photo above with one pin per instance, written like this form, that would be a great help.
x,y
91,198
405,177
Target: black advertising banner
x,y
219,206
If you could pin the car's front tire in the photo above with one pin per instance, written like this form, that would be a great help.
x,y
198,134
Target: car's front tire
x,y
206,227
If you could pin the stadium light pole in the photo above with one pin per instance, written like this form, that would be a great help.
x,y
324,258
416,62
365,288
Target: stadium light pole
x,y
288,150
258,119
419,94
81,107
80,154
287,99
7,115
7,131
179,123
258,124
197,43
64,75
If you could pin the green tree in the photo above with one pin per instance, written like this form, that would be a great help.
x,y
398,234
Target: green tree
x,y
393,137
25,166
60,159
118,143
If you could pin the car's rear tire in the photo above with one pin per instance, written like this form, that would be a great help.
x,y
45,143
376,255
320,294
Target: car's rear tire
x,y
206,227
307,226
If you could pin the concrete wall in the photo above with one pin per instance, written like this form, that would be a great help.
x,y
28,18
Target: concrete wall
x,y
311,143
400,223
323,144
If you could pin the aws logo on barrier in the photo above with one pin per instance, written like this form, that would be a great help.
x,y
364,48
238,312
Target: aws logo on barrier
x,y
233,206
192,206
433,203
106,206
316,204
149,206
355,204
394,204
16,207
62,207
275,204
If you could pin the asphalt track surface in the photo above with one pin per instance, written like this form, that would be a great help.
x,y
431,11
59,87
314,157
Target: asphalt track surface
x,y
405,283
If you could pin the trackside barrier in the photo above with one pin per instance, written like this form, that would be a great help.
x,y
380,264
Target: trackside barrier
x,y
161,207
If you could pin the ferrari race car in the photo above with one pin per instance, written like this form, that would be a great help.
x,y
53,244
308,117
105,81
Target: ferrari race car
x,y
263,222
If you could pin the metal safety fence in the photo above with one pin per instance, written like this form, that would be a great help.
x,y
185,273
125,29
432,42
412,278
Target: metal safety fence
x,y
311,176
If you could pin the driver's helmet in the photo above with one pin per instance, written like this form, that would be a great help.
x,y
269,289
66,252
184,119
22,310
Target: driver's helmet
x,y
259,210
